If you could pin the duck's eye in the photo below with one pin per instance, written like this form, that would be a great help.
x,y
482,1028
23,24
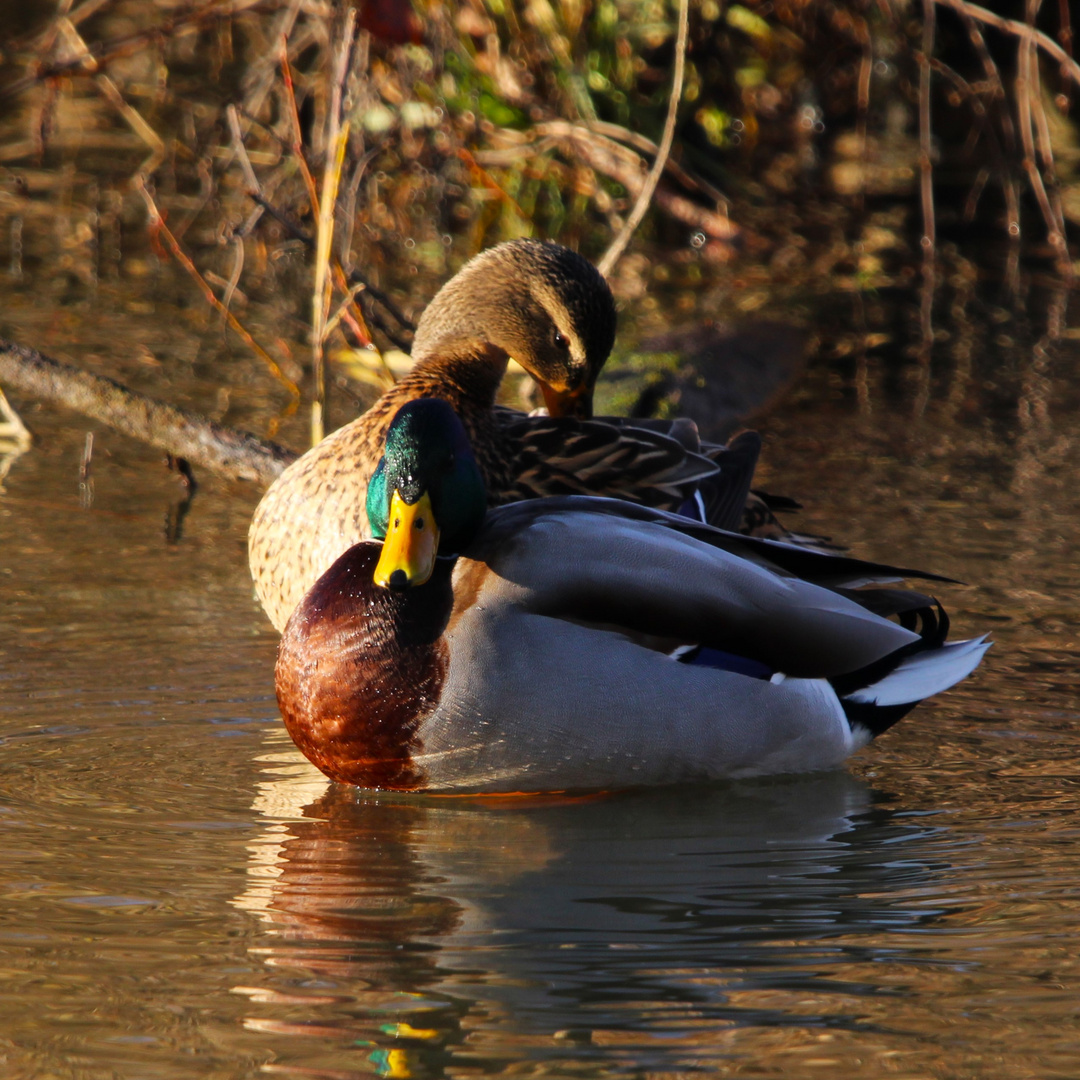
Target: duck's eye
x,y
418,524
560,341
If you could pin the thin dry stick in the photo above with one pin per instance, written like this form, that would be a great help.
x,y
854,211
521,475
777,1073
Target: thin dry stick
x,y
1026,90
1004,170
1012,199
1011,26
1053,213
103,52
647,146
84,11
929,238
297,131
159,228
993,77
136,122
320,297
111,93
618,246
1065,36
926,165
863,100
350,312
259,77
237,237
240,150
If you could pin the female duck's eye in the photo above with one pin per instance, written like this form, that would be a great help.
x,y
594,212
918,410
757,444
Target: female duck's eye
x,y
560,341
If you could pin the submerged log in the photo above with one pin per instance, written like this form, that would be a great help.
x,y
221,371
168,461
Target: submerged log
x,y
236,455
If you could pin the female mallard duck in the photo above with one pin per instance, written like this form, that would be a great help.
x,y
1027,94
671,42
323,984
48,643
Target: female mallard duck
x,y
552,311
580,643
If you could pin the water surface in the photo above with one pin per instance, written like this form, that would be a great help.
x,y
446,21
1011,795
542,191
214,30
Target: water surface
x,y
181,896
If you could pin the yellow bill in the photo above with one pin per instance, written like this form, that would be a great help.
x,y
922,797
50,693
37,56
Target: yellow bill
x,y
410,547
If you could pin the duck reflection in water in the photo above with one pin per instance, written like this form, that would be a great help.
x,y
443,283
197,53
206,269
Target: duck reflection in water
x,y
426,930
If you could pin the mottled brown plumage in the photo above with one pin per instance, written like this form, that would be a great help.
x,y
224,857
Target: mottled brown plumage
x,y
550,310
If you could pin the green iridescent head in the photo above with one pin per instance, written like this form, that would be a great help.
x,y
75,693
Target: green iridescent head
x,y
427,495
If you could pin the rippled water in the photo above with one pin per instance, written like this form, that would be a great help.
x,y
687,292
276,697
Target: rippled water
x,y
181,896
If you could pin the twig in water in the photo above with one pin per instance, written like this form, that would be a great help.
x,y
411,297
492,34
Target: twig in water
x,y
618,246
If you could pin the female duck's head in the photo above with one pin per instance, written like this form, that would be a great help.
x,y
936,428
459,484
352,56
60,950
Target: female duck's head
x,y
542,304
427,495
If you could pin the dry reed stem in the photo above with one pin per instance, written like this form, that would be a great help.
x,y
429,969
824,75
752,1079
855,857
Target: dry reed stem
x,y
297,145
337,137
926,189
993,76
1023,30
259,79
349,312
1004,171
862,102
1050,204
1012,199
237,237
109,90
321,291
342,312
135,122
1065,35
240,150
618,246
103,52
1023,113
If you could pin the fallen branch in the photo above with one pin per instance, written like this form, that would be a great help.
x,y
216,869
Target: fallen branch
x,y
236,455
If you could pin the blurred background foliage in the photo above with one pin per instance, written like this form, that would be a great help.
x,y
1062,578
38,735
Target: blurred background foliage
x,y
248,143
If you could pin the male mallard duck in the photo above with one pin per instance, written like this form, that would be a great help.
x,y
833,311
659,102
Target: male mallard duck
x,y
578,643
552,311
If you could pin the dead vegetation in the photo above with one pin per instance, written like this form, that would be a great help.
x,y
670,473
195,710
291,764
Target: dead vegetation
x,y
321,153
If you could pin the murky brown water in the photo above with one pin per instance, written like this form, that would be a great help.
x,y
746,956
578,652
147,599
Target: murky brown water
x,y
181,896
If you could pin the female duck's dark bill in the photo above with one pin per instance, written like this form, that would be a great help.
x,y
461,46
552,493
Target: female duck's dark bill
x,y
575,402
411,544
